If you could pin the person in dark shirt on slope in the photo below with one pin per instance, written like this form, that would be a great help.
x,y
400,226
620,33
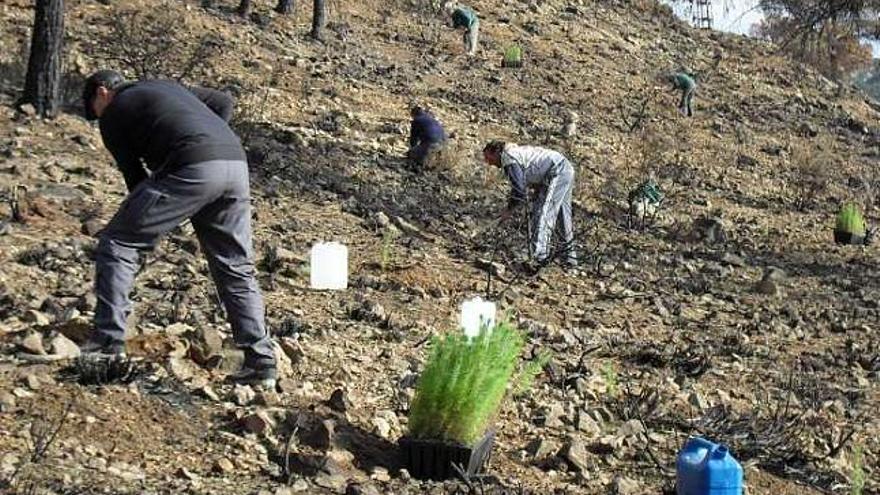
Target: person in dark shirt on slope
x,y
180,161
426,136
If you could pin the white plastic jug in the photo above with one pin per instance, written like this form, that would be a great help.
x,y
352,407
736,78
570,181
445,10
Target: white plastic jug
x,y
329,266
476,313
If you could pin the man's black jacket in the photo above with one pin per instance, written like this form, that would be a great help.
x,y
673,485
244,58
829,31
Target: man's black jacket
x,y
163,125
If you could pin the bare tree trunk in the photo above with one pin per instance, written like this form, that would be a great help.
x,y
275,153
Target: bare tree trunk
x,y
319,18
43,81
285,6
244,8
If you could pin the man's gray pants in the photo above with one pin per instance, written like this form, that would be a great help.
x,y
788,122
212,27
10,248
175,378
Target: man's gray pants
x,y
472,37
215,195
686,106
551,210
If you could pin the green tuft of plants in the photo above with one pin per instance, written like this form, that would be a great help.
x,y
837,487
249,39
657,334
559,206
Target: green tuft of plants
x,y
609,375
387,256
465,382
513,56
530,370
850,220
857,477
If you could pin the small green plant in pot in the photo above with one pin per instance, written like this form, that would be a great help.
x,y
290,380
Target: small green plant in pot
x,y
850,227
459,394
513,57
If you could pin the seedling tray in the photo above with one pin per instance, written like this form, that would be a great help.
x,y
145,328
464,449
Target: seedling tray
x,y
841,237
432,459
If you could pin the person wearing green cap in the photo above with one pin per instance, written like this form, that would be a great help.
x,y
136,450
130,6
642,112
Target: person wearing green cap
x,y
465,18
683,81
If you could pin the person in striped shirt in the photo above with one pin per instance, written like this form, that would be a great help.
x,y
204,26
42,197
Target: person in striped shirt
x,y
552,176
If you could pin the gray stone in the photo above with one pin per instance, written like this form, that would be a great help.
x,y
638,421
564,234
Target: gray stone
x,y
383,428
338,462
33,344
588,425
38,318
542,448
292,349
27,109
228,361
299,486
733,260
64,347
92,227
206,343
187,474
32,381
180,368
243,394
7,402
626,486
224,466
209,393
698,401
335,483
631,428
282,363
553,416
259,422
268,398
575,452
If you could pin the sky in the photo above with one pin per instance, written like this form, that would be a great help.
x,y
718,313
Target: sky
x,y
731,16
736,16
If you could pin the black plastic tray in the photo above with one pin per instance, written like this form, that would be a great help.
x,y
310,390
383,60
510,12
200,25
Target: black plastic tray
x,y
432,459
841,237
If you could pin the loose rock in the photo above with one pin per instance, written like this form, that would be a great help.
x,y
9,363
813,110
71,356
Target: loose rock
x,y
33,344
575,452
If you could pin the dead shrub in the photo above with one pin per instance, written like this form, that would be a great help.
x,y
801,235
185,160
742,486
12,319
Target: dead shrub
x,y
452,160
156,43
812,168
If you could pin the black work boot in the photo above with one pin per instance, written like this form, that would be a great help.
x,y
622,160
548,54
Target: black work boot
x,y
103,348
265,377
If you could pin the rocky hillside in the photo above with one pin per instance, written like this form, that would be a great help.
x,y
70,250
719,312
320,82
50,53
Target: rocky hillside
x,y
732,314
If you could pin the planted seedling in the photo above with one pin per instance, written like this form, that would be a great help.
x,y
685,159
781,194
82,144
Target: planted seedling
x,y
857,478
459,394
850,226
609,374
387,256
513,57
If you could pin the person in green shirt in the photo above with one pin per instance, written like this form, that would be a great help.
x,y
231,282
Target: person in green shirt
x,y
465,18
684,82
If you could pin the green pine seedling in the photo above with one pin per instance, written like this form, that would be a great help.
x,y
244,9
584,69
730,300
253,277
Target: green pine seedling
x,y
850,220
386,258
526,377
857,478
464,384
609,374
513,56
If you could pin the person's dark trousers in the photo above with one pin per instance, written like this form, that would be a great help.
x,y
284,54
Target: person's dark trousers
x,y
686,105
419,153
215,195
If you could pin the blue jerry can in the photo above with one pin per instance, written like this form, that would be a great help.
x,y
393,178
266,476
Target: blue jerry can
x,y
707,468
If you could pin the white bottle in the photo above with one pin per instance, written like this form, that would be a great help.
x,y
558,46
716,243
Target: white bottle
x,y
329,266
475,314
